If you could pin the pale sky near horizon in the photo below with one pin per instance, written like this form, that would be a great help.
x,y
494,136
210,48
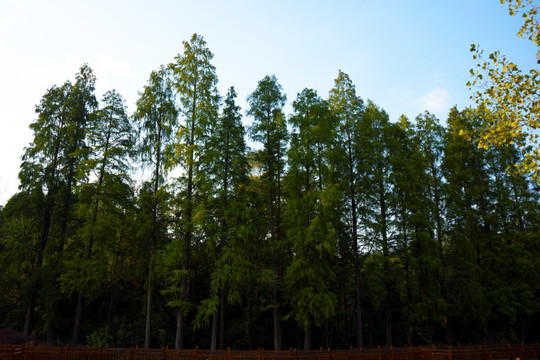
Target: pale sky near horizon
x,y
407,56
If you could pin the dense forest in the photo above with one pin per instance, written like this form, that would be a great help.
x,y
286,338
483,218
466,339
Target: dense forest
x,y
331,226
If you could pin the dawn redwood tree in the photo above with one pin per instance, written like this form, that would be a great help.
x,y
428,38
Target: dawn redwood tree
x,y
50,165
376,146
312,196
511,291
429,134
419,284
349,109
40,172
82,106
226,165
469,199
416,223
156,119
406,188
195,82
486,203
110,140
269,128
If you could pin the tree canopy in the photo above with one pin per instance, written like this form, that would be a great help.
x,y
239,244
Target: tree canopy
x,y
511,94
331,226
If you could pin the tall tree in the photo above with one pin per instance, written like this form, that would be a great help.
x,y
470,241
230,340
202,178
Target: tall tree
x,y
50,164
469,201
429,136
312,195
110,143
376,145
40,171
403,161
269,128
478,204
195,82
225,165
415,243
349,109
156,116
82,104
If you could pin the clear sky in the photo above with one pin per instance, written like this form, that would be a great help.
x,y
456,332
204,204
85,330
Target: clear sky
x,y
407,56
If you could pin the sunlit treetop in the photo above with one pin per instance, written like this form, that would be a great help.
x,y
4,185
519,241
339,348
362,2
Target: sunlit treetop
x,y
512,95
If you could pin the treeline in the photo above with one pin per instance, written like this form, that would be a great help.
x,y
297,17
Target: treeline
x,y
340,229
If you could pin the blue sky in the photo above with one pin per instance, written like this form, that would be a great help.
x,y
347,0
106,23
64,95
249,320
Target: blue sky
x,y
407,56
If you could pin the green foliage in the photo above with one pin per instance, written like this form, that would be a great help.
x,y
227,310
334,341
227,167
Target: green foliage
x,y
341,223
511,94
99,338
156,118
311,196
269,128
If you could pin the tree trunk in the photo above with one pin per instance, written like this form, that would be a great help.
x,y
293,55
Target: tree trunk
x,y
154,239
273,235
213,340
149,301
354,220
386,263
222,320
78,319
277,319
29,316
215,329
188,218
179,340
307,336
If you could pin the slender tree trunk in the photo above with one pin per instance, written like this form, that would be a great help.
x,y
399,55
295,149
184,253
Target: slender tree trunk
x,y
275,285
359,324
273,236
277,319
149,292
179,340
356,266
408,281
149,301
222,319
78,319
386,265
213,340
439,226
224,229
29,316
307,336
188,218
154,240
